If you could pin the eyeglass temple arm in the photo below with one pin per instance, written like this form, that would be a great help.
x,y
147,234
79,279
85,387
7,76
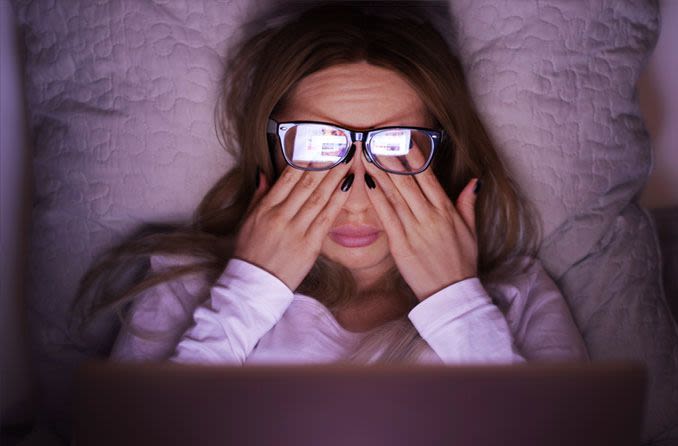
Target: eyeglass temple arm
x,y
272,127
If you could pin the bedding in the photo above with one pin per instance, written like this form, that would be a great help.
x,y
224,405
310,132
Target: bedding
x,y
555,81
120,97
666,222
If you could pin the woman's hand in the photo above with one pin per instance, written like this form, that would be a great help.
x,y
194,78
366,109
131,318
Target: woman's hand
x,y
432,241
285,227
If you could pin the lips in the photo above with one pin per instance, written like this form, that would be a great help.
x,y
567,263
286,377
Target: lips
x,y
351,236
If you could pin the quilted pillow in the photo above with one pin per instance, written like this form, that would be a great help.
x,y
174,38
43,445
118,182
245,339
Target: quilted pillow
x,y
121,95
555,81
120,100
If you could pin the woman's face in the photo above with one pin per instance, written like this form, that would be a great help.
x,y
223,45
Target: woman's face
x,y
356,96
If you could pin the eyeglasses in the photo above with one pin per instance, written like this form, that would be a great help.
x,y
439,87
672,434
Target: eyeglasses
x,y
310,145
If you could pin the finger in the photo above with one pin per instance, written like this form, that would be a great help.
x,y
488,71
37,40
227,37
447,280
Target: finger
x,y
283,186
320,225
415,157
259,192
319,198
466,205
385,182
390,220
409,189
432,189
307,186
262,185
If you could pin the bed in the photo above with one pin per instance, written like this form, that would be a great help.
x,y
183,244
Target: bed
x,y
120,97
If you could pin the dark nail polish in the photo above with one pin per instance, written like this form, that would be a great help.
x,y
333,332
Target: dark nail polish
x,y
479,185
257,180
370,181
348,181
351,152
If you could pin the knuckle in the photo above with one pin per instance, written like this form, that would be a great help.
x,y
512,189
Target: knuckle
x,y
274,214
315,199
253,214
307,181
322,219
403,251
258,221
449,207
288,176
429,215
296,229
401,205
392,197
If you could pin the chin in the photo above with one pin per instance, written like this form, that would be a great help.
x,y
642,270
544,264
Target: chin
x,y
375,255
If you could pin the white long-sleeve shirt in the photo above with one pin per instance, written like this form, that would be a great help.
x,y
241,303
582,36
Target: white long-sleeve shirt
x,y
251,317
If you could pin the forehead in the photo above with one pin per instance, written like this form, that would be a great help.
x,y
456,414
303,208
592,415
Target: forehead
x,y
356,95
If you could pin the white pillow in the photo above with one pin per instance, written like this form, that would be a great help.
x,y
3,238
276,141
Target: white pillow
x,y
121,94
555,81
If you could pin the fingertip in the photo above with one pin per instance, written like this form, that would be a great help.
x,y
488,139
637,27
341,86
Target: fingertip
x,y
258,174
470,191
468,194
261,183
257,178
478,186
263,180
369,181
348,181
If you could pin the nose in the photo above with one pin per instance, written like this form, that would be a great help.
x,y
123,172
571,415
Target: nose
x,y
358,202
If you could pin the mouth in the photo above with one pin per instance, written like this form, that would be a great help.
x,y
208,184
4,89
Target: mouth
x,y
350,236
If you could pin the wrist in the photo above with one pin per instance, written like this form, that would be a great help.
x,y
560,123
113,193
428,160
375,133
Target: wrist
x,y
424,293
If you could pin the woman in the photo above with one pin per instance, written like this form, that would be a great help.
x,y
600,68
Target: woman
x,y
355,225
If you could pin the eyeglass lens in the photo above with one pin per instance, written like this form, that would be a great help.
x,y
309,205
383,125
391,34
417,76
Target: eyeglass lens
x,y
318,146
315,146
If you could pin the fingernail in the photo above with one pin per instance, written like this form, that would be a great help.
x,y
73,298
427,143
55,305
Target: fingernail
x,y
257,180
346,185
351,152
370,181
479,185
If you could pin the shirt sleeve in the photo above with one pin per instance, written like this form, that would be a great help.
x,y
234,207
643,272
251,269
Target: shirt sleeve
x,y
528,320
540,318
158,317
244,304
462,325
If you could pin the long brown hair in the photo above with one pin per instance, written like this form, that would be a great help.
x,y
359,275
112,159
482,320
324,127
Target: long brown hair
x,y
262,70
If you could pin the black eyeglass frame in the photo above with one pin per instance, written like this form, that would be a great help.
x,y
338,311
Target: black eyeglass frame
x,y
277,128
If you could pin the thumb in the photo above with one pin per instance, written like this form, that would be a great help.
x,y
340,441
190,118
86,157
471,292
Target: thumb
x,y
466,203
262,188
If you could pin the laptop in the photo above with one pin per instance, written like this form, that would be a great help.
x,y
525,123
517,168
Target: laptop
x,y
341,404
